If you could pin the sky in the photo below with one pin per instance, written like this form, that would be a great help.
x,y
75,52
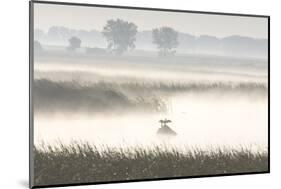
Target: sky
x,y
89,18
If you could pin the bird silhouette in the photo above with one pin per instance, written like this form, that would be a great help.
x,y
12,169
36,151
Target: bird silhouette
x,y
165,130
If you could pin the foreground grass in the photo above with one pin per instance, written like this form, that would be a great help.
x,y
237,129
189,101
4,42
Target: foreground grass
x,y
78,163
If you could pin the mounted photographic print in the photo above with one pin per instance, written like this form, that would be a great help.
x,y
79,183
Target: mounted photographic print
x,y
122,94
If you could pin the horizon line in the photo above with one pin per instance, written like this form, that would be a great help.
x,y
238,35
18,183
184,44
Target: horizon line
x,y
139,31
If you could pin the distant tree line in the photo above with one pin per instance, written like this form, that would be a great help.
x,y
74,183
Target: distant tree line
x,y
121,37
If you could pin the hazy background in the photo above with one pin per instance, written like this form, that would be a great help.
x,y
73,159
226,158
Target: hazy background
x,y
198,33
214,89
93,18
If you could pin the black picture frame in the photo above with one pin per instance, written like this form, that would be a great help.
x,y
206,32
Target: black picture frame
x,y
31,79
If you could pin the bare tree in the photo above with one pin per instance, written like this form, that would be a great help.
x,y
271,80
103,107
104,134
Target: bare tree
x,y
74,43
120,35
166,39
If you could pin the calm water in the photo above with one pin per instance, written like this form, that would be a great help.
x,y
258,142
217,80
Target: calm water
x,y
200,120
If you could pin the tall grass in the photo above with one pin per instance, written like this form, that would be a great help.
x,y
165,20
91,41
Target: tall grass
x,y
95,97
82,162
111,96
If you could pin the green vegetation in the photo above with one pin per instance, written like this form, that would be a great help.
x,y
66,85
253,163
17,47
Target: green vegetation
x,y
82,162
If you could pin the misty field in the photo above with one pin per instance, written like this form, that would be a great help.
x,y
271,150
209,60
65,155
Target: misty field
x,y
125,98
111,96
217,107
82,162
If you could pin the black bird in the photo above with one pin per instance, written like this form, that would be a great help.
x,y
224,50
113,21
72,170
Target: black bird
x,y
165,130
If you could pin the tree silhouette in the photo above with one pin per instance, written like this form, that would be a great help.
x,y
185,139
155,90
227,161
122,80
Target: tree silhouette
x,y
37,46
74,43
166,39
120,35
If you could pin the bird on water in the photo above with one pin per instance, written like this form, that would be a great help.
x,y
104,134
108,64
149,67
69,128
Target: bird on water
x,y
165,130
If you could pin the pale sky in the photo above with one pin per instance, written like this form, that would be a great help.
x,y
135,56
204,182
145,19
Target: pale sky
x,y
89,18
